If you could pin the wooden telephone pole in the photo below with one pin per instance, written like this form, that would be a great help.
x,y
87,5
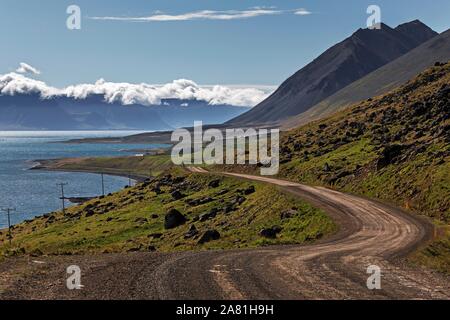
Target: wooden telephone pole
x,y
103,185
8,212
63,198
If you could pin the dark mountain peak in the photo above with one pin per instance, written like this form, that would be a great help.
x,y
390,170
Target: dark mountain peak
x,y
363,52
384,27
413,24
416,31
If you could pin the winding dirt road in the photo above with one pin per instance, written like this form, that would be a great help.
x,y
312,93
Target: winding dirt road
x,y
371,233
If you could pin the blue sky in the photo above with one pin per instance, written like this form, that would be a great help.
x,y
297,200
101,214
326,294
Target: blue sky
x,y
260,50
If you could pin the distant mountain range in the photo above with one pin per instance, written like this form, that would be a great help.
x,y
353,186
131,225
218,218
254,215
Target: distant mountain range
x,y
31,112
341,65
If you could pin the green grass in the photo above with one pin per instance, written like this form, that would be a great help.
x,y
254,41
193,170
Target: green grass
x,y
117,229
146,166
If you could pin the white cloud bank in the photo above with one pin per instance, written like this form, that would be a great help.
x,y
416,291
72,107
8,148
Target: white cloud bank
x,y
144,94
208,15
26,68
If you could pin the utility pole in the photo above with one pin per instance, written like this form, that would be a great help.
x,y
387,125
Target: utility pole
x,y
63,198
8,212
103,185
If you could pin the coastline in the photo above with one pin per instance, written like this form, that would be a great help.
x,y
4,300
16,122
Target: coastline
x,y
55,165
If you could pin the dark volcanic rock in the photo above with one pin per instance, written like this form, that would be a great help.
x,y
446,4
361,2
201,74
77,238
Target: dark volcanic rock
x,y
270,233
249,190
177,195
239,200
214,183
173,219
208,236
90,213
155,235
191,233
288,214
389,155
229,208
209,215
141,220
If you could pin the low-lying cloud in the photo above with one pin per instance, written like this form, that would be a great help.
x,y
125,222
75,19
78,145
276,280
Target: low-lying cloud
x,y
207,15
144,94
26,68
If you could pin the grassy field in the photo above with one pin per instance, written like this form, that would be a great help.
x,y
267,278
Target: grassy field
x,y
133,219
144,166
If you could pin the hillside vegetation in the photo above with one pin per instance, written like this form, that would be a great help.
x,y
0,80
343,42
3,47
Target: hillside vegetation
x,y
137,166
395,147
176,211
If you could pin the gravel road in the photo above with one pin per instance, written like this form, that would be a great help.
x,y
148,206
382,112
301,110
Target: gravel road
x,y
371,233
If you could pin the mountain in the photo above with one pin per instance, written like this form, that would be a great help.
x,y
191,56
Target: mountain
x,y
363,52
381,80
31,112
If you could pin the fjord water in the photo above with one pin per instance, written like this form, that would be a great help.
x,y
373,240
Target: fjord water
x,y
34,192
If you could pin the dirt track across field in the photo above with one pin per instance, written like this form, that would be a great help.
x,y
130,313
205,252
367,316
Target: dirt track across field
x,y
371,233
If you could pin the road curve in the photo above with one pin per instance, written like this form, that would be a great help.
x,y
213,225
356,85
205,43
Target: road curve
x,y
371,233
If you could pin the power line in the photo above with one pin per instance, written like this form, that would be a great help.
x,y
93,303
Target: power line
x,y
8,212
103,185
63,198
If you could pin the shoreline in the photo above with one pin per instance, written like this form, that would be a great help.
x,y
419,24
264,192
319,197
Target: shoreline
x,y
52,165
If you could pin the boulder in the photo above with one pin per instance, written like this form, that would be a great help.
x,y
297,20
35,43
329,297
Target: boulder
x,y
210,215
155,235
389,154
191,233
208,236
90,213
249,190
141,220
239,200
288,214
270,233
229,208
177,195
214,183
173,219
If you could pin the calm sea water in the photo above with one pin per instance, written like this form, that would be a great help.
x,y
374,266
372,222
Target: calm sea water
x,y
34,192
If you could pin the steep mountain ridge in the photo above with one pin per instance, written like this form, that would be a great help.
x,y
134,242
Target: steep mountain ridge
x,y
363,52
379,81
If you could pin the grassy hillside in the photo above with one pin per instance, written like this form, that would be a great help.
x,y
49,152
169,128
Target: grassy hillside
x,y
134,219
394,147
